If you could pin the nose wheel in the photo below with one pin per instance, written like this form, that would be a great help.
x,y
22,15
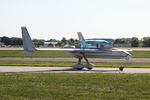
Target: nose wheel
x,y
121,68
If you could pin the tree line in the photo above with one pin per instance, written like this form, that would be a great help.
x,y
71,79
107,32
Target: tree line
x,y
15,41
11,41
132,42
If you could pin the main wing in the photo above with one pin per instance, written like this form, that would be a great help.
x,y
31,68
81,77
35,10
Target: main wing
x,y
73,50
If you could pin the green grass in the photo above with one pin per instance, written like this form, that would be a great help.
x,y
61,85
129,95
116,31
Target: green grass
x,y
140,54
69,64
64,86
20,53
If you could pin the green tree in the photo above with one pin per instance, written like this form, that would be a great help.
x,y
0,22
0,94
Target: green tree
x,y
146,42
134,42
38,42
71,41
16,41
64,41
62,44
52,40
59,43
122,41
6,40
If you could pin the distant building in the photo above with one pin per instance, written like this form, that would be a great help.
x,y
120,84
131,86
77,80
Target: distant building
x,y
69,46
50,44
2,44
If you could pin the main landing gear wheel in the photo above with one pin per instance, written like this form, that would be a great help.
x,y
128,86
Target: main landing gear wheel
x,y
121,68
78,66
89,66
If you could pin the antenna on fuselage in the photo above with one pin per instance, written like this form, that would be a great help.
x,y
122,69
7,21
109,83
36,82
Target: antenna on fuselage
x,y
82,40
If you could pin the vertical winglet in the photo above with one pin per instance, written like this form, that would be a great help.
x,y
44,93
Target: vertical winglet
x,y
80,36
82,40
27,42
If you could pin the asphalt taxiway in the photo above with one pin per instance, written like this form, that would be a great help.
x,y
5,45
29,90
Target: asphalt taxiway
x,y
142,60
31,69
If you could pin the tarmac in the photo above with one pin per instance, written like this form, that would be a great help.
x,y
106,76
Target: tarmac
x,y
142,60
31,69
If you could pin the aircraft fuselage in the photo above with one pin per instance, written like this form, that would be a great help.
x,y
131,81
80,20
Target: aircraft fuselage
x,y
114,53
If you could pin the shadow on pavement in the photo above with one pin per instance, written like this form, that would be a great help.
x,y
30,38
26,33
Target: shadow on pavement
x,y
69,70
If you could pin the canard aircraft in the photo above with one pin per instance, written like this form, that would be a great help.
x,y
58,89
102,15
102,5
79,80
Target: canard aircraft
x,y
86,48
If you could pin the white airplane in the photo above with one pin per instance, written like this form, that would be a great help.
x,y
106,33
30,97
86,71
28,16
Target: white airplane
x,y
86,48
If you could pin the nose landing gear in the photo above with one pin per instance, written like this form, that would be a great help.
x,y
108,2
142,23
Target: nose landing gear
x,y
121,68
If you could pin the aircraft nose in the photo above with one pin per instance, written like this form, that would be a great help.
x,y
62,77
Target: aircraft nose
x,y
127,53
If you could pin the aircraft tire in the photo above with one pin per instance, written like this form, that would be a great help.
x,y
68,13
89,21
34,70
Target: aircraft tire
x,y
89,66
78,66
121,68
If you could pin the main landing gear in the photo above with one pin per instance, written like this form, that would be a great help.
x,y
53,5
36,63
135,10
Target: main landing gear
x,y
121,68
80,66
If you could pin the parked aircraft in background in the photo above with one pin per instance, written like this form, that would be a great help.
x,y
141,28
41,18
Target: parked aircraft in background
x,y
86,48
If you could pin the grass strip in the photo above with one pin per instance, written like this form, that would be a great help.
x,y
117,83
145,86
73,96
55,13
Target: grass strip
x,y
64,86
140,54
69,64
21,53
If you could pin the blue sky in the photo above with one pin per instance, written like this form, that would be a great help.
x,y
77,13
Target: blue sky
x,y
47,19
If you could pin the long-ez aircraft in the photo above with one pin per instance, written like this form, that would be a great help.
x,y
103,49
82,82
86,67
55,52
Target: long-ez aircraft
x,y
86,48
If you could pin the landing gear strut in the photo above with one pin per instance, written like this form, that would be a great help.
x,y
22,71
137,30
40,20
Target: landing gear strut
x,y
80,66
88,65
121,68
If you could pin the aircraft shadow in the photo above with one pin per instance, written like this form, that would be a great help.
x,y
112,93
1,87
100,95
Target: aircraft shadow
x,y
69,70
85,70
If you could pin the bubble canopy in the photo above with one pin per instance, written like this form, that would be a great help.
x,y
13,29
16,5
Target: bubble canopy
x,y
96,44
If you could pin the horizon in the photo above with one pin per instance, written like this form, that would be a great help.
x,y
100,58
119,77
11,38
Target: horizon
x,y
76,38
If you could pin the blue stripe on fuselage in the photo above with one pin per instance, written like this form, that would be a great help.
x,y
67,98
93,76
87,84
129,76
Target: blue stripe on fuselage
x,y
107,56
